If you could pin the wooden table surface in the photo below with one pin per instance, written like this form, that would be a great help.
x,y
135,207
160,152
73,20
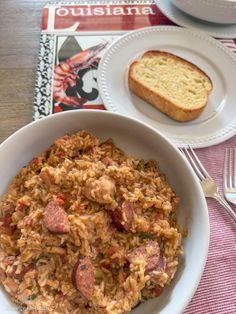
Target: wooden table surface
x,y
19,44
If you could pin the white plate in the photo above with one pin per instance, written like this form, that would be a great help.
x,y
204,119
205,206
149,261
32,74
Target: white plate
x,y
141,141
183,19
218,121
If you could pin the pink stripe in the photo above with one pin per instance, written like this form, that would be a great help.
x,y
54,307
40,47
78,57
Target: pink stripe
x,y
229,43
216,293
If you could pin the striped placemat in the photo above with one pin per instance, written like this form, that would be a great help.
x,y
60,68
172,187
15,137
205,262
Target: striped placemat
x,y
216,293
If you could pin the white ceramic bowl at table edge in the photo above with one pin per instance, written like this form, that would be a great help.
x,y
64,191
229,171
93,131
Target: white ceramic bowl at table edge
x,y
141,141
216,11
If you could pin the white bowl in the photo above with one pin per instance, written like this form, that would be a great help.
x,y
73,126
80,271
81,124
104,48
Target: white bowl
x,y
217,11
141,141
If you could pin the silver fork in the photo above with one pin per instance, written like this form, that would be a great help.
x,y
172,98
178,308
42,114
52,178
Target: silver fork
x,y
230,175
208,185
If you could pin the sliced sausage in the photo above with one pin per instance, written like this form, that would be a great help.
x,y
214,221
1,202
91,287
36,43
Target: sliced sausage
x,y
101,190
123,216
7,226
162,264
83,276
108,161
55,218
150,252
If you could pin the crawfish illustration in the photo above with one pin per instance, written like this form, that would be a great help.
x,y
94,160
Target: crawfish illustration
x,y
65,74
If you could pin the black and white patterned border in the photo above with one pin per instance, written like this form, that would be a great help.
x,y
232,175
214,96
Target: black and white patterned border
x,y
42,97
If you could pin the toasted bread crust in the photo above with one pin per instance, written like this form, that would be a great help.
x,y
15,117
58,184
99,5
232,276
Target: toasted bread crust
x,y
175,111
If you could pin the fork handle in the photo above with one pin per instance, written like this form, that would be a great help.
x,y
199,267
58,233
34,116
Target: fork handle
x,y
226,206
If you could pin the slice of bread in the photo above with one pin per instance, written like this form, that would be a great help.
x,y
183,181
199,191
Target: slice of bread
x,y
175,86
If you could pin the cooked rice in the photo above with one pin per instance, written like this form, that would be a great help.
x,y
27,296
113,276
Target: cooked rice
x,y
119,210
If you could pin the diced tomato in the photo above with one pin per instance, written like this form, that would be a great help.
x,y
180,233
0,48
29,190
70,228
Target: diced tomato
x,y
90,148
7,226
61,295
20,206
112,250
29,222
7,220
64,258
59,154
8,229
35,161
106,265
60,199
158,291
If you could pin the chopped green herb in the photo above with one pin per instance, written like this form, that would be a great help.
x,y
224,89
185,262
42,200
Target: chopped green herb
x,y
144,295
131,246
145,235
140,165
137,305
98,273
32,297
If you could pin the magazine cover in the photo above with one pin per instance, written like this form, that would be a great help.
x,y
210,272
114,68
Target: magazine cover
x,y
74,37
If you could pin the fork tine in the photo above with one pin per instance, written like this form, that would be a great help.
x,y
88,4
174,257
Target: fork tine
x,y
226,169
234,173
200,165
232,167
192,162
